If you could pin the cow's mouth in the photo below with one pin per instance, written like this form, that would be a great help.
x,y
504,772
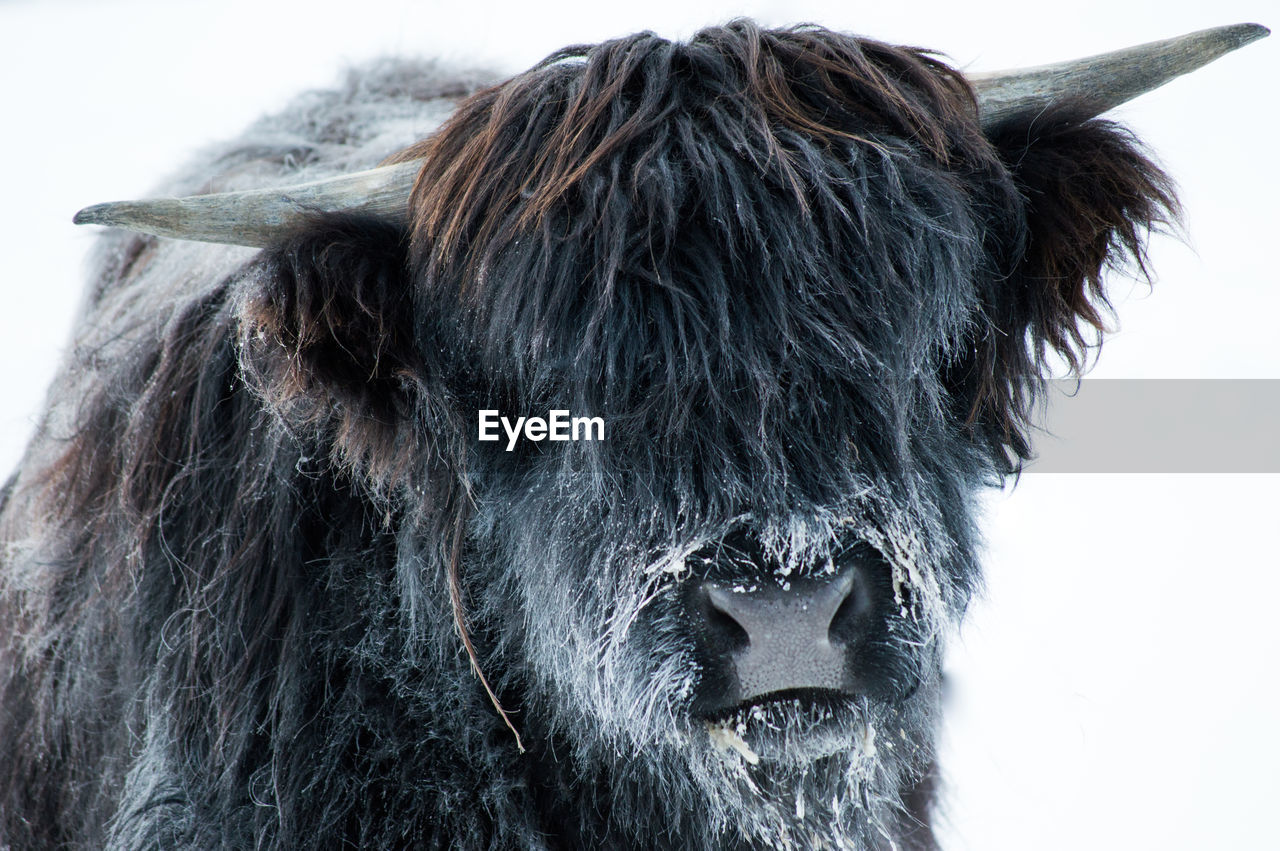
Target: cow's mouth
x,y
796,725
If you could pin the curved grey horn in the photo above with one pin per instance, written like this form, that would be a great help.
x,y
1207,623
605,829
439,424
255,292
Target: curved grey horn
x,y
1107,80
257,217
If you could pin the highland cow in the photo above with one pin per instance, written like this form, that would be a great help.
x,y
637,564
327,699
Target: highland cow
x,y
264,584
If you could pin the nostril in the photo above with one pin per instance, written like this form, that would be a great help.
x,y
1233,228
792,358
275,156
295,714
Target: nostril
x,y
855,603
846,617
725,630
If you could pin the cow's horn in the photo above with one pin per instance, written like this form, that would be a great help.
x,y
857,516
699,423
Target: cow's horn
x,y
257,217
1102,82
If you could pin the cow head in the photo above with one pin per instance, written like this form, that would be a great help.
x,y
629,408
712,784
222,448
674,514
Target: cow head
x,y
808,282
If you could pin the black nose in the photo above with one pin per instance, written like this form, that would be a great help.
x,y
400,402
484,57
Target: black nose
x,y
770,639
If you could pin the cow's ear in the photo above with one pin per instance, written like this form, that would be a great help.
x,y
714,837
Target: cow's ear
x,y
327,330
1091,196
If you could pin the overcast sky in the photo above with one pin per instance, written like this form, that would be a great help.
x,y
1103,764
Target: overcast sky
x,y
1116,687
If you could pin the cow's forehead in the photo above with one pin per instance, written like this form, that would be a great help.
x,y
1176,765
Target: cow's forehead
x,y
708,234
729,368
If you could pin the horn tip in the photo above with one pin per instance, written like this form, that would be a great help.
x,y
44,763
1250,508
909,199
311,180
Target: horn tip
x,y
96,214
85,216
1243,34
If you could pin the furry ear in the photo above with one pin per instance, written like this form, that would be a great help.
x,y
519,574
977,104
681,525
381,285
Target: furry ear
x,y
327,331
1091,195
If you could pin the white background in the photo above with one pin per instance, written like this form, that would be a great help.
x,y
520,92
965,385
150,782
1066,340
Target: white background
x,y
1116,688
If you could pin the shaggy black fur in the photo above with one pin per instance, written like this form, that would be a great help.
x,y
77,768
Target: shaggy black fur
x,y
811,301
